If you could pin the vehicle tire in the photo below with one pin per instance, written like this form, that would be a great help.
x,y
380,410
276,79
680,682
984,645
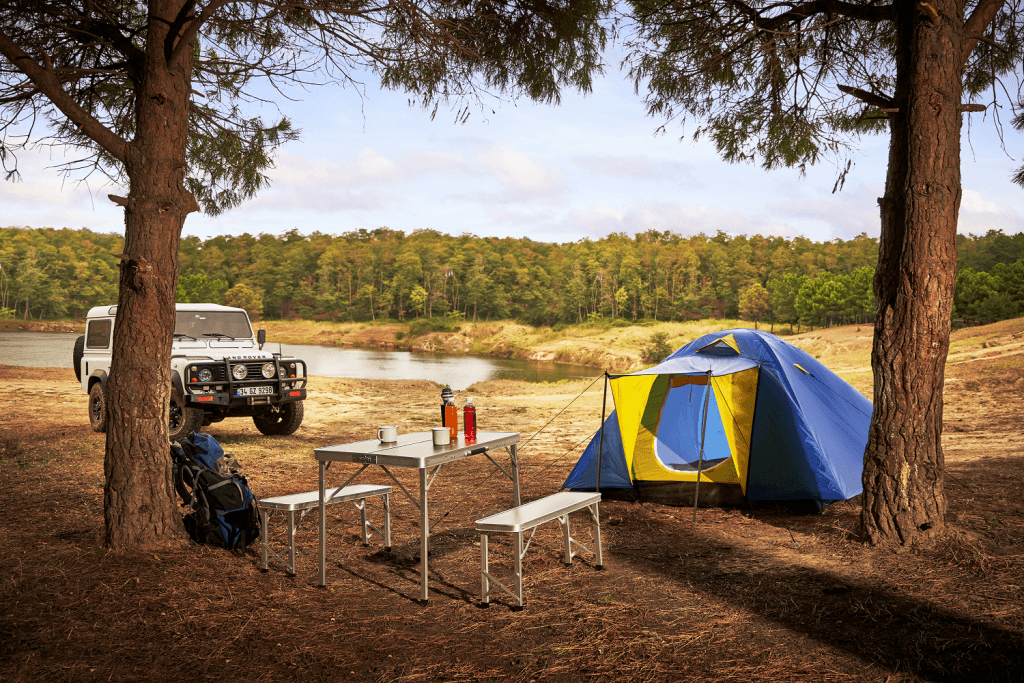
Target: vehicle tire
x,y
282,422
98,408
76,356
183,420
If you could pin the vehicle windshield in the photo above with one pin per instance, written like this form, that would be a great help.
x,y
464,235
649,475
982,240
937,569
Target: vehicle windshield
x,y
212,324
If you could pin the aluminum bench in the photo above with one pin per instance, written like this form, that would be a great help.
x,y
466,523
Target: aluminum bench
x,y
529,516
304,502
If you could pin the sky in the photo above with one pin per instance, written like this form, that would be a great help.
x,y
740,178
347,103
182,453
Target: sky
x,y
585,169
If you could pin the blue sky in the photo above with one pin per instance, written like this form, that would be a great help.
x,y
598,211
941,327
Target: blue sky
x,y
585,169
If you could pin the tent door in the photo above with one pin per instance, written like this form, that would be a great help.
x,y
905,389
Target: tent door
x,y
690,421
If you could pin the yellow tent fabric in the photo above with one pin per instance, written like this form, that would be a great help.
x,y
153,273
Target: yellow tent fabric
x,y
737,394
631,392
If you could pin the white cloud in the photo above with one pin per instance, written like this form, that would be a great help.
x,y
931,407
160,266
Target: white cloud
x,y
42,185
842,215
637,166
292,202
979,215
683,219
368,167
520,176
972,202
690,219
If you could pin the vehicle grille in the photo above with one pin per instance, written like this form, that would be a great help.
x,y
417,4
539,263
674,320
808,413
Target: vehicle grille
x,y
253,371
220,371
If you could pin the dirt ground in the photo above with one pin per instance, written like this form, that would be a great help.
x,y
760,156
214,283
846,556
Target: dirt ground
x,y
742,594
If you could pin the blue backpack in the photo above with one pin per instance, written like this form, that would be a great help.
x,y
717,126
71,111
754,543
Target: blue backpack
x,y
222,509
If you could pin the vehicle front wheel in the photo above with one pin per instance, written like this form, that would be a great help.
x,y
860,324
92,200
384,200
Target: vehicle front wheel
x,y
282,422
98,408
183,420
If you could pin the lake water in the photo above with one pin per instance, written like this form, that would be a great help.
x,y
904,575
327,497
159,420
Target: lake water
x,y
46,350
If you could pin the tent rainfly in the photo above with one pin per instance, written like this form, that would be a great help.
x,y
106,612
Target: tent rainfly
x,y
732,416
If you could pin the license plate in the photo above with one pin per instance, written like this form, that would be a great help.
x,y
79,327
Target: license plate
x,y
254,391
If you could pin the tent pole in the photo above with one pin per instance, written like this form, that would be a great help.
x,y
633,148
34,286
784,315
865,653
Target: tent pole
x,y
700,458
600,442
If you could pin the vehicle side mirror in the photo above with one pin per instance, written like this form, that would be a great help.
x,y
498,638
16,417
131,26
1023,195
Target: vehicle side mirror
x,y
261,338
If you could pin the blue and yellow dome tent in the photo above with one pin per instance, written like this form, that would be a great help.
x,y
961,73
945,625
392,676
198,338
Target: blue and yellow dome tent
x,y
749,415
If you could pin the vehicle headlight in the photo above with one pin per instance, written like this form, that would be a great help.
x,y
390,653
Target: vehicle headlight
x,y
239,372
205,375
269,370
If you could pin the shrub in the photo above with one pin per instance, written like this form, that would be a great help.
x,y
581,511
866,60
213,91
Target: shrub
x,y
448,323
657,349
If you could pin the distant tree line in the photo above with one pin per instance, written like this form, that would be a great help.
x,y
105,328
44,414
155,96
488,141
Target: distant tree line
x,y
990,278
431,279
47,273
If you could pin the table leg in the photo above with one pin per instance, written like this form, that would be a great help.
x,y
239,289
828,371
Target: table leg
x,y
513,452
425,539
387,522
264,516
322,581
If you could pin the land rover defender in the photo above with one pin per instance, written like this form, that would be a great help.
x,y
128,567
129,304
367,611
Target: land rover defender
x,y
218,369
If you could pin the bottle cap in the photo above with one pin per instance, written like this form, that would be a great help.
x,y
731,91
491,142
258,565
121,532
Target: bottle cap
x,y
469,400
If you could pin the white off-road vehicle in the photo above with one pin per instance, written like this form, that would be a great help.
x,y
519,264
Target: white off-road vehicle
x,y
218,369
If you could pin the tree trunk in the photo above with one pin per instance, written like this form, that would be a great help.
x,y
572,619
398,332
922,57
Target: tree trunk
x,y
139,507
904,501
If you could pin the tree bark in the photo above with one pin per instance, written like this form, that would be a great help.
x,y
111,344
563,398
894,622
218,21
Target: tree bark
x,y
140,511
904,500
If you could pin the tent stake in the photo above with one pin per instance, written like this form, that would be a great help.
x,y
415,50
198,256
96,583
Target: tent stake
x,y
604,400
700,457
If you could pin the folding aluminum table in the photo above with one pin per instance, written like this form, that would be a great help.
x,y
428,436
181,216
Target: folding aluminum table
x,y
416,450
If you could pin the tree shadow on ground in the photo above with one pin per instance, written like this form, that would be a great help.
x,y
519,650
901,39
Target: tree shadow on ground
x,y
869,619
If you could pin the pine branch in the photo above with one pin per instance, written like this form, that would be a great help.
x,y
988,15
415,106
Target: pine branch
x,y
44,77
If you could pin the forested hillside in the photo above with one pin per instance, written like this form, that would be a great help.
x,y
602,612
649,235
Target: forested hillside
x,y
386,274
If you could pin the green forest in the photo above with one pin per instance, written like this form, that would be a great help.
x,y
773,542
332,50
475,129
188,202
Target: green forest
x,y
433,280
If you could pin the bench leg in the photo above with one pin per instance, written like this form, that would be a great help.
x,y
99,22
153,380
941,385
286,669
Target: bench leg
x,y
264,515
597,535
485,584
566,537
518,570
362,521
291,542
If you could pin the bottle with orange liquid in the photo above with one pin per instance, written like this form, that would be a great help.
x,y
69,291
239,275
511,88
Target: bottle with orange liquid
x,y
449,413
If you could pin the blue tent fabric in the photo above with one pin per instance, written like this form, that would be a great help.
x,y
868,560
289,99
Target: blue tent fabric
x,y
772,474
810,427
613,465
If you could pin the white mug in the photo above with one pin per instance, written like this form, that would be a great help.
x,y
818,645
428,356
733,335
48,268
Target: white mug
x,y
442,436
387,434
